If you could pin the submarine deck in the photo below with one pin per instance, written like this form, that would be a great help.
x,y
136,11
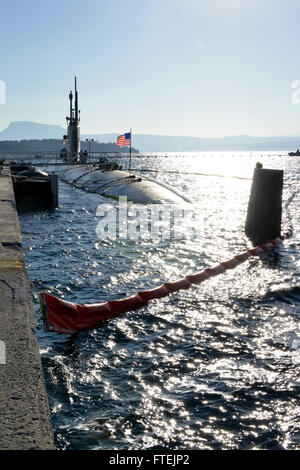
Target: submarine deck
x,y
115,183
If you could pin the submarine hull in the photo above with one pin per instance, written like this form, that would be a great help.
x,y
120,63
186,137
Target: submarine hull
x,y
115,183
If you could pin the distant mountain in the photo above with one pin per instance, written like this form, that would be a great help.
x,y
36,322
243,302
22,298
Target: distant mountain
x,y
20,130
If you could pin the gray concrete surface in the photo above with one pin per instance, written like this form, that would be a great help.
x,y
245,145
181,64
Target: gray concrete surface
x,y
24,411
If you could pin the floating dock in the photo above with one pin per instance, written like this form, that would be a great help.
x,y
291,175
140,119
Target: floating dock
x,y
24,411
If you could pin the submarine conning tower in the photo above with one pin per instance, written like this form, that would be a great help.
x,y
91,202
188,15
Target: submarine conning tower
x,y
73,137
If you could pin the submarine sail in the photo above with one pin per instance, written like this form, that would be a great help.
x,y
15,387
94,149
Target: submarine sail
x,y
106,178
73,136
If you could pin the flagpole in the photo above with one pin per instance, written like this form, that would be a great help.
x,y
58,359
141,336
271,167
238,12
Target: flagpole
x,y
130,153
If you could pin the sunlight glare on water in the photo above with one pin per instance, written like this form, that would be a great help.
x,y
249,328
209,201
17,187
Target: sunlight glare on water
x,y
212,367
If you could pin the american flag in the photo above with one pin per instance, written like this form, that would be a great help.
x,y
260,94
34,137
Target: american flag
x,y
124,139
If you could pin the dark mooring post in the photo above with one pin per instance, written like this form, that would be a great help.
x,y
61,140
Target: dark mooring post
x,y
263,221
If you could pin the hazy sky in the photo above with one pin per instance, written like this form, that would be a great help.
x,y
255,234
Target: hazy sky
x,y
177,67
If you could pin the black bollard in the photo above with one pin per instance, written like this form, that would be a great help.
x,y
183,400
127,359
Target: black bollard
x,y
263,221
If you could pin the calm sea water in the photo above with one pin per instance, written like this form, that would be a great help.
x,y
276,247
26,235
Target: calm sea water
x,y
213,367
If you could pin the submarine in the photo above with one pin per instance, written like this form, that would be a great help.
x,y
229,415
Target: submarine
x,y
108,178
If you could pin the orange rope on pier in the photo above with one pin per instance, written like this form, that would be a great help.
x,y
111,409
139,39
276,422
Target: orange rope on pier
x,y
66,317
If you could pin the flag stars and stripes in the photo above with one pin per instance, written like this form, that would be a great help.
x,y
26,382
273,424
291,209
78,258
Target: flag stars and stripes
x,y
124,139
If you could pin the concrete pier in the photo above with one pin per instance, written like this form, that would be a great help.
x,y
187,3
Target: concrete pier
x,y
24,411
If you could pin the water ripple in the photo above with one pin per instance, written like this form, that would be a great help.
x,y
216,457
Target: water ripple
x,y
213,367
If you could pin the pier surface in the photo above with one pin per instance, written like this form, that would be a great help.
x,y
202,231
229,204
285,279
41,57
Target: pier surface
x,y
24,411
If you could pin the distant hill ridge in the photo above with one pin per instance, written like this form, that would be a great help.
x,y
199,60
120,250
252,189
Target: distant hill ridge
x,y
54,145
20,130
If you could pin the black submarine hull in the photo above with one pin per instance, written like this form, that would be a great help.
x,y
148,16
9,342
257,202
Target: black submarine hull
x,y
116,183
